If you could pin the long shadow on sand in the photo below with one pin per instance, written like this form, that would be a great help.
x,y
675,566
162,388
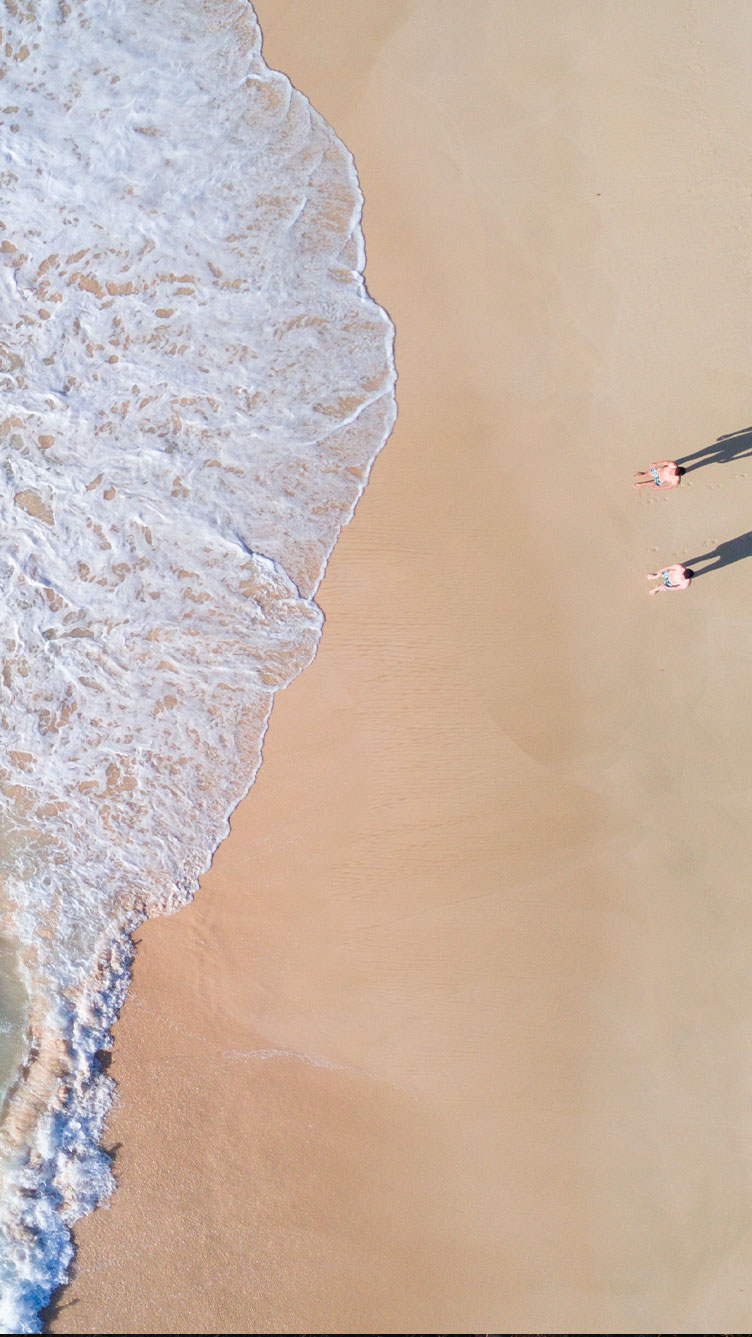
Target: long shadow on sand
x,y
733,446
733,550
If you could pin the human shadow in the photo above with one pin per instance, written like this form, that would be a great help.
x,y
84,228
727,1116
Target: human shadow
x,y
733,550
733,446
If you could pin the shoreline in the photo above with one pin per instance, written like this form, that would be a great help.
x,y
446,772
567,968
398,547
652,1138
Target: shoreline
x,y
142,724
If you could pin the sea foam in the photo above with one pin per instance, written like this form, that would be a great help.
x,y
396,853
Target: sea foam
x,y
193,386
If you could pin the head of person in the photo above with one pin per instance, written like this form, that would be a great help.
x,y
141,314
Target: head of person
x,y
689,574
680,470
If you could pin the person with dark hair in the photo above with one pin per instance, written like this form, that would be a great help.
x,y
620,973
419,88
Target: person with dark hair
x,y
664,473
674,577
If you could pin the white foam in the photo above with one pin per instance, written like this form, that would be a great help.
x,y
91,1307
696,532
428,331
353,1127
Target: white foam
x,y
195,384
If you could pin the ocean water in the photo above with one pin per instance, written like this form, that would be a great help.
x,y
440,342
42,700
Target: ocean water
x,y
13,1017
194,384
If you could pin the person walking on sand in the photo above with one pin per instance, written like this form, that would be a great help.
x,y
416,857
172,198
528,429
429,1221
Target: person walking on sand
x,y
664,473
675,577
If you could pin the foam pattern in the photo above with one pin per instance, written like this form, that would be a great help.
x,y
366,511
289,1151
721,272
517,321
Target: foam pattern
x,y
194,384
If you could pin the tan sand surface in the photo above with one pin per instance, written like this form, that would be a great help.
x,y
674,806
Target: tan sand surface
x,y
457,1035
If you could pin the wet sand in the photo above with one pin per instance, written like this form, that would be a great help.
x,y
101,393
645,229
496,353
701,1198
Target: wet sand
x,y
456,1035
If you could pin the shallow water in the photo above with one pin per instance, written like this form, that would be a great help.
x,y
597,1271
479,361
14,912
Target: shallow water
x,y
13,1016
195,384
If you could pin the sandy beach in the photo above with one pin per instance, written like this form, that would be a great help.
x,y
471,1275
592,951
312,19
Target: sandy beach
x,y
455,1036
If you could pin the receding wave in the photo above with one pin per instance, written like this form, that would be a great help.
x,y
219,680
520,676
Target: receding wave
x,y
193,386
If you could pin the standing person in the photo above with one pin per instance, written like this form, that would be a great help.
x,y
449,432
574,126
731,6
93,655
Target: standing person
x,y
675,577
664,473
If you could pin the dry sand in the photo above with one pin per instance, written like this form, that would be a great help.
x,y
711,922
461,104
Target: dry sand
x,y
457,1033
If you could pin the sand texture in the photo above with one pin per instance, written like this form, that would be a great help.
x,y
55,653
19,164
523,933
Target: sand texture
x,y
456,1035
